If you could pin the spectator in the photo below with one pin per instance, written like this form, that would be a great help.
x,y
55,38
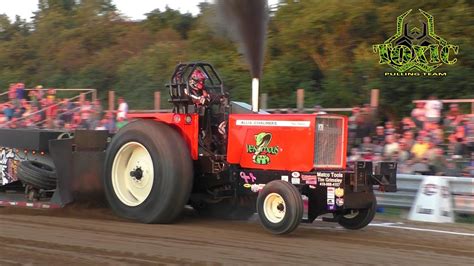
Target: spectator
x,y
20,91
51,94
86,115
405,167
404,151
12,92
77,122
420,147
39,92
122,109
110,125
8,110
436,133
418,114
430,153
408,139
121,122
433,109
51,112
355,155
367,145
406,125
96,113
102,125
379,138
389,128
33,98
454,111
391,146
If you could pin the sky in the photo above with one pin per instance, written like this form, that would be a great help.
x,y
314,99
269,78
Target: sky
x,y
134,9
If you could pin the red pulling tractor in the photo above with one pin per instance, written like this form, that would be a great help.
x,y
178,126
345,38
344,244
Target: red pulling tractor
x,y
215,155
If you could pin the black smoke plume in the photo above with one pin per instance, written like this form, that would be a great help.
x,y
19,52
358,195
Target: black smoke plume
x,y
246,21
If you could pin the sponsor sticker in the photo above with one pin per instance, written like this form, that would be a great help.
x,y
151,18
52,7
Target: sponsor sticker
x,y
339,202
262,150
330,198
272,123
308,177
295,180
339,192
257,187
284,178
329,179
295,174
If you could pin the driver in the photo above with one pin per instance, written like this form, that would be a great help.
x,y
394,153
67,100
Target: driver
x,y
198,91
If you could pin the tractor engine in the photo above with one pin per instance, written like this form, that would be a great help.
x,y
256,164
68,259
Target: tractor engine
x,y
303,142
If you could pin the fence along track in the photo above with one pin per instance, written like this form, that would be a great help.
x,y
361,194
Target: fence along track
x,y
462,189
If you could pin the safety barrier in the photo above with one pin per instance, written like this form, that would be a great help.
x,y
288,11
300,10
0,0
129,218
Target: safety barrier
x,y
462,190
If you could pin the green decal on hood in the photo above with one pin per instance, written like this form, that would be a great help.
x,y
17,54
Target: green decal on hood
x,y
261,150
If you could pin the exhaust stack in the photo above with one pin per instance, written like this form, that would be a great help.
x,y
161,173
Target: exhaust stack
x,y
255,93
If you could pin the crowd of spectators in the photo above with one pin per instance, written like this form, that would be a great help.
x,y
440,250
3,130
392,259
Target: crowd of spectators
x,y
428,142
41,108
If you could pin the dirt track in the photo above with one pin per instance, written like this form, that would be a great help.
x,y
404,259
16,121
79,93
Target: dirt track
x,y
79,236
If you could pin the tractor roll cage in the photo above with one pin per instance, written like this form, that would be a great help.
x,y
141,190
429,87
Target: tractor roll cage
x,y
179,84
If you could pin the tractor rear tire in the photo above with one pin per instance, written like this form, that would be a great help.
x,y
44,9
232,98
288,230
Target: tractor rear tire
x,y
37,175
280,207
148,172
359,219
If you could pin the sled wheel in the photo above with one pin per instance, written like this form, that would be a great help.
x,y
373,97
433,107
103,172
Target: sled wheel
x,y
37,175
359,218
148,172
280,207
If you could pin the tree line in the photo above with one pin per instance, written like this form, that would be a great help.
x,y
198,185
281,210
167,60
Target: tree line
x,y
322,46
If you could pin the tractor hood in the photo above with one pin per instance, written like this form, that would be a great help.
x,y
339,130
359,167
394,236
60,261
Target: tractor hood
x,y
295,142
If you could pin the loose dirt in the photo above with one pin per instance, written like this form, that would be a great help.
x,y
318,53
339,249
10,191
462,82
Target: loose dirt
x,y
80,236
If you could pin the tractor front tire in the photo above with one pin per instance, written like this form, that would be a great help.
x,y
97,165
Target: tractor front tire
x,y
148,172
280,207
360,218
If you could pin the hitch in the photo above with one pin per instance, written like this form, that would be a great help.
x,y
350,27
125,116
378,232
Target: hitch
x,y
384,176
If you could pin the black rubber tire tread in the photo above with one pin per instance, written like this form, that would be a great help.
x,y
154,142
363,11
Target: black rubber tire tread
x,y
294,207
363,218
37,175
173,170
225,210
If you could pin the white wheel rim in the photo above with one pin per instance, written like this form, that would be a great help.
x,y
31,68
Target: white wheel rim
x,y
132,189
274,207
